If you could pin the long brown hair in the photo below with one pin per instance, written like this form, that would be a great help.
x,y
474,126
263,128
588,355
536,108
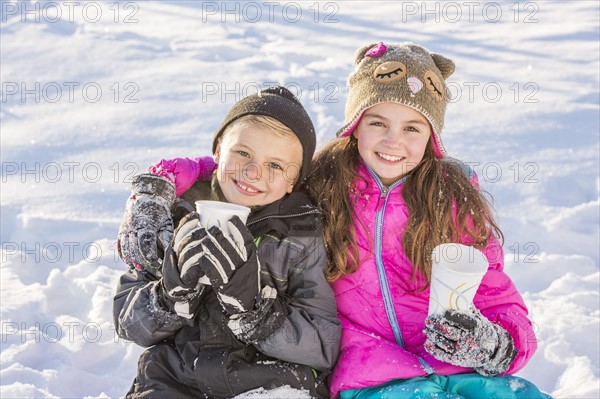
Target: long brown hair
x,y
443,206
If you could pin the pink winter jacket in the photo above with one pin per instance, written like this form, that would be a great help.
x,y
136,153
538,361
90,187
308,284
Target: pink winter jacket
x,y
370,355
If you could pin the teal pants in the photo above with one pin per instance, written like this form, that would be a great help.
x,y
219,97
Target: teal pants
x,y
458,386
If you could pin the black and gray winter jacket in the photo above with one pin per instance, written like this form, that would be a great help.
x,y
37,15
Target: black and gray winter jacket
x,y
293,260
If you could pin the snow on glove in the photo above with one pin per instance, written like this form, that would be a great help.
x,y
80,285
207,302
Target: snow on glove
x,y
181,287
147,226
259,323
469,339
232,266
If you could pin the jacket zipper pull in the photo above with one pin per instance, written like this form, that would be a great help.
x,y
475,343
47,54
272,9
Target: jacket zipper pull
x,y
382,196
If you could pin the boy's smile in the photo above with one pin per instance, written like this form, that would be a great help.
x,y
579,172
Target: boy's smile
x,y
256,166
246,188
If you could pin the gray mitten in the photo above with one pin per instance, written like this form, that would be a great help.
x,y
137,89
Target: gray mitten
x,y
259,323
147,226
468,339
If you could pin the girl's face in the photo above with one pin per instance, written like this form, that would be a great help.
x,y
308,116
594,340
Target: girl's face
x,y
256,166
392,139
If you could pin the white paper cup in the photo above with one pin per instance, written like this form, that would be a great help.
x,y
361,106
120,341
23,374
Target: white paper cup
x,y
217,213
456,273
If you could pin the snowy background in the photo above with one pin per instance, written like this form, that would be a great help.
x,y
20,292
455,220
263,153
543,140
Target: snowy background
x,y
94,92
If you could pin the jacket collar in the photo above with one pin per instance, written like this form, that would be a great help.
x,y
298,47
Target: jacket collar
x,y
368,182
291,204
294,214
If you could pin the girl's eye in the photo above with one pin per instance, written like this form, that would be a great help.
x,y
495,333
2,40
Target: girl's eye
x,y
242,153
376,124
412,129
274,165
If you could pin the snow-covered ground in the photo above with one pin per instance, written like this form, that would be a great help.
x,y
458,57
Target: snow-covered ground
x,y
95,91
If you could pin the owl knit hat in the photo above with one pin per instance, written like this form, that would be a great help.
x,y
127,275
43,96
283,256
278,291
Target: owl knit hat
x,y
406,74
278,103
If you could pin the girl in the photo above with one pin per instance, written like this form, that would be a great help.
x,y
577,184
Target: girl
x,y
389,196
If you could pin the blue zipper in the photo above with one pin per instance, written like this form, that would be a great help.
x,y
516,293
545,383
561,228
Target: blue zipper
x,y
383,281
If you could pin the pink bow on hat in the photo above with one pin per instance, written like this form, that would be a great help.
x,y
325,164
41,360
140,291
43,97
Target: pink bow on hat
x,y
377,50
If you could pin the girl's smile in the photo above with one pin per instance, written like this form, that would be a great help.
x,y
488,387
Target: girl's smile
x,y
390,158
392,139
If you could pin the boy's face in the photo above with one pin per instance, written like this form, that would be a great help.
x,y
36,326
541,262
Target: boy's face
x,y
256,166
392,139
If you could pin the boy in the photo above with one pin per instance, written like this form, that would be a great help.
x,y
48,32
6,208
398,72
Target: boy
x,y
268,317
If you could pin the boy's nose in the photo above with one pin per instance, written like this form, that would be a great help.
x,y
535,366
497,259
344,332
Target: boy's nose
x,y
252,171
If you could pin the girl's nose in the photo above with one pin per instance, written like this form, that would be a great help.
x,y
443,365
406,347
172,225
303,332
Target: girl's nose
x,y
393,137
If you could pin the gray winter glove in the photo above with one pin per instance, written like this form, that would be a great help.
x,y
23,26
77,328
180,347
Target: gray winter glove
x,y
258,324
231,264
468,339
181,287
147,225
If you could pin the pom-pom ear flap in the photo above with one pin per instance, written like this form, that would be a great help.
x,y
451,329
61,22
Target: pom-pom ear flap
x,y
360,54
445,65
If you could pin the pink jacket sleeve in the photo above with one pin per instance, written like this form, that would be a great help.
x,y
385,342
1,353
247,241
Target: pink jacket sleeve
x,y
499,301
184,172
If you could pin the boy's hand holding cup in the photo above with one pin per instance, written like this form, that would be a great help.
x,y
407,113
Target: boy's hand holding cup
x,y
192,231
211,253
180,284
217,213
229,257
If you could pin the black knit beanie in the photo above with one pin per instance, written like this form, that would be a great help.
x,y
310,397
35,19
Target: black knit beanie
x,y
278,103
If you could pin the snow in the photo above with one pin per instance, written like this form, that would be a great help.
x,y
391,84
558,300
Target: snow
x,y
94,92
